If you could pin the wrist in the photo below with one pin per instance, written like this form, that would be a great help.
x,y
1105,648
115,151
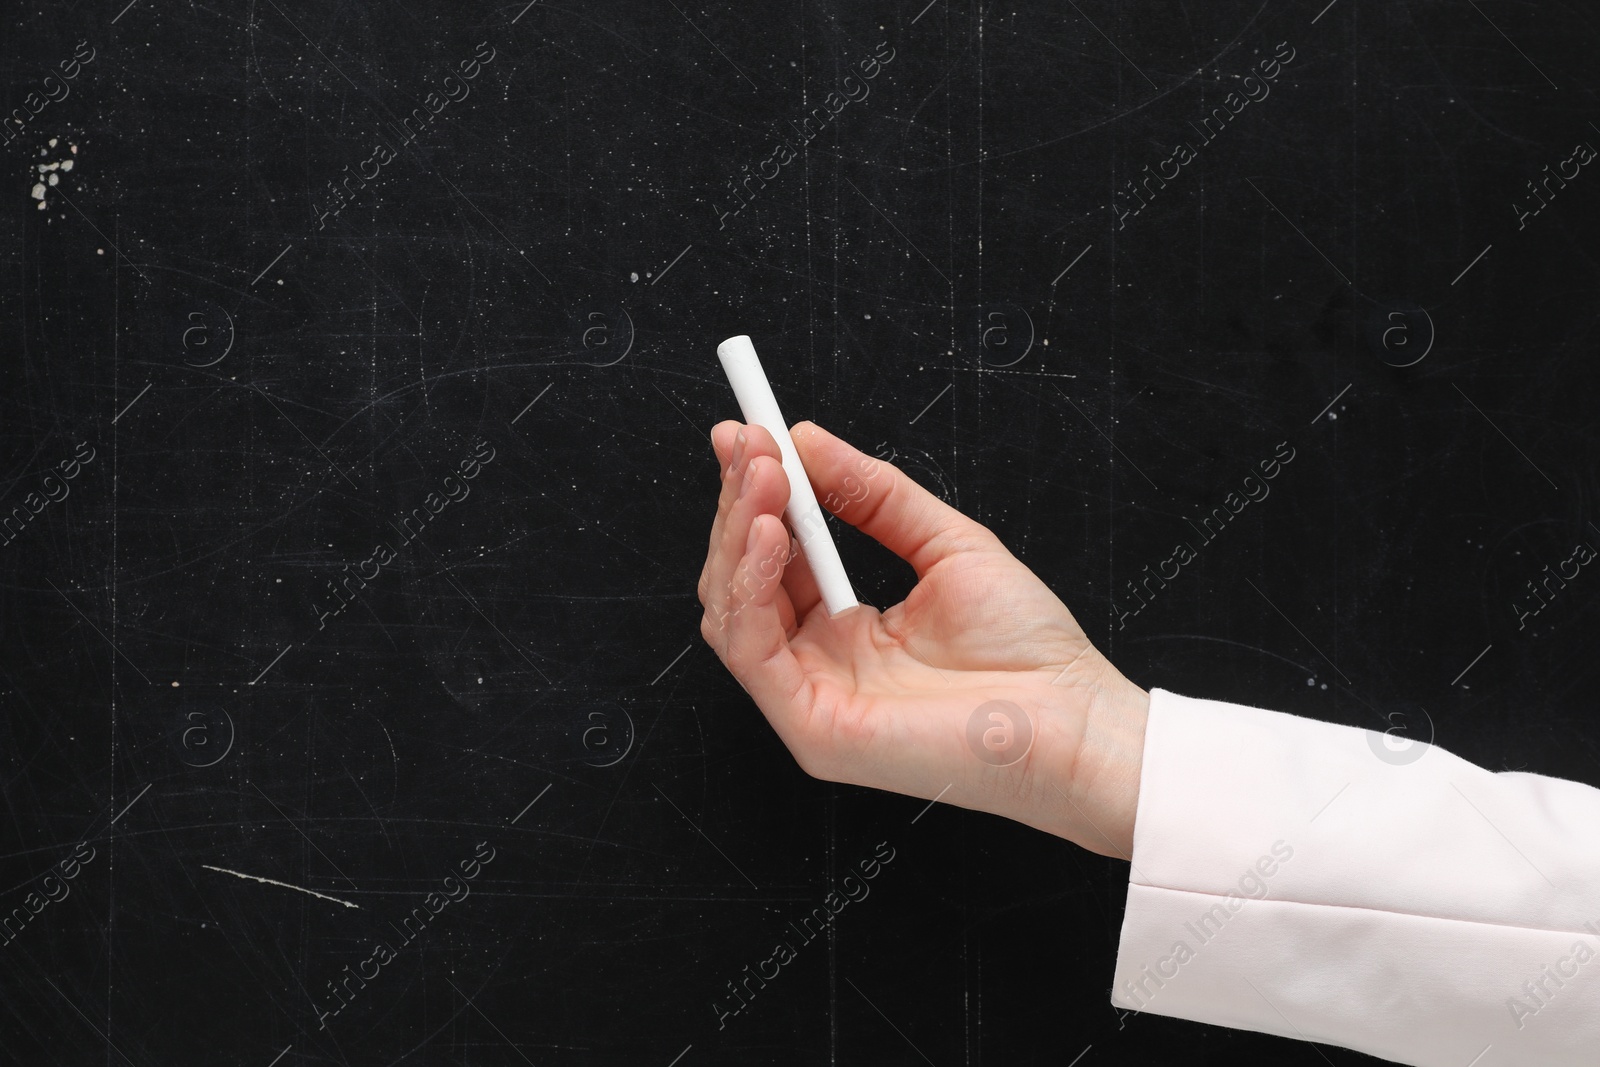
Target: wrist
x,y
1085,780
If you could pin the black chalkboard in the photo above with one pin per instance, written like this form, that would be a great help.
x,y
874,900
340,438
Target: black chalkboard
x,y
355,480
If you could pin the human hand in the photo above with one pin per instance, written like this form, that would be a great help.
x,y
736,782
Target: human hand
x,y
884,699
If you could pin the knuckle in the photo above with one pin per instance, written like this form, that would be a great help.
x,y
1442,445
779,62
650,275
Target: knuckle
x,y
711,629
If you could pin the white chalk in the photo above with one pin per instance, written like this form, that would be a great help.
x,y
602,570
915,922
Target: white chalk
x,y
810,524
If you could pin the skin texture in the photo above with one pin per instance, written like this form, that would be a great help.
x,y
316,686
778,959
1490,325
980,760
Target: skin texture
x,y
883,699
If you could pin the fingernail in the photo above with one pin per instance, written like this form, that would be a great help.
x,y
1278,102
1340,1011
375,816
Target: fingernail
x,y
755,533
738,452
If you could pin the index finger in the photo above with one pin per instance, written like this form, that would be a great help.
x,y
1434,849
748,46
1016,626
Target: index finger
x,y
884,502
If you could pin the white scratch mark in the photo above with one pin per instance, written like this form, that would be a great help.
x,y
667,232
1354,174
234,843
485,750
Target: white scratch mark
x,y
931,803
286,885
674,263
146,789
1074,263
532,402
273,664
531,803
673,664
932,402
274,263
1471,665
132,402
1332,402
1474,263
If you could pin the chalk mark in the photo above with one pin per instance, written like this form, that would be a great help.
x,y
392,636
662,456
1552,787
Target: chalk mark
x,y
285,885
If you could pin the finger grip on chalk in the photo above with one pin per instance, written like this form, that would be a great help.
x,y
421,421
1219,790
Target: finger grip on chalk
x,y
810,524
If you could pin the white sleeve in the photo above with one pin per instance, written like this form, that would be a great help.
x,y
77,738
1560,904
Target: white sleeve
x,y
1314,881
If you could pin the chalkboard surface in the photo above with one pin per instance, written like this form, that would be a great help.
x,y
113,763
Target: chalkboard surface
x,y
358,369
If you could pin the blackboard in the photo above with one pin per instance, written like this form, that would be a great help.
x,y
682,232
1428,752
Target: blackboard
x,y
358,375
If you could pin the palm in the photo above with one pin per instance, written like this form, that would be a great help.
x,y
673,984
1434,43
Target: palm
x,y
877,684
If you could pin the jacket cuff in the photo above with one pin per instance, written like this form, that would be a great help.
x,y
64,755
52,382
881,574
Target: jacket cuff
x,y
1328,883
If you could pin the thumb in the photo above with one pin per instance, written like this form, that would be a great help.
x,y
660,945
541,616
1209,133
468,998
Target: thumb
x,y
884,502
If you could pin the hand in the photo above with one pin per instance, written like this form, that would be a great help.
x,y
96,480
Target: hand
x,y
884,699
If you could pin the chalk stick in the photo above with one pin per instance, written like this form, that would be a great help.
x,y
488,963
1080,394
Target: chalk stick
x,y
810,523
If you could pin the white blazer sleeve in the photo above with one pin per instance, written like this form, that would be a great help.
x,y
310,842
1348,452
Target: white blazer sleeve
x,y
1310,880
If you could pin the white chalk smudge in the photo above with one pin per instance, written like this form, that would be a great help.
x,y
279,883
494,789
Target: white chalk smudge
x,y
50,174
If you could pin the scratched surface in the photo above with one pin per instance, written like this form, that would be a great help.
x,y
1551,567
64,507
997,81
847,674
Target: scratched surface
x,y
357,371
